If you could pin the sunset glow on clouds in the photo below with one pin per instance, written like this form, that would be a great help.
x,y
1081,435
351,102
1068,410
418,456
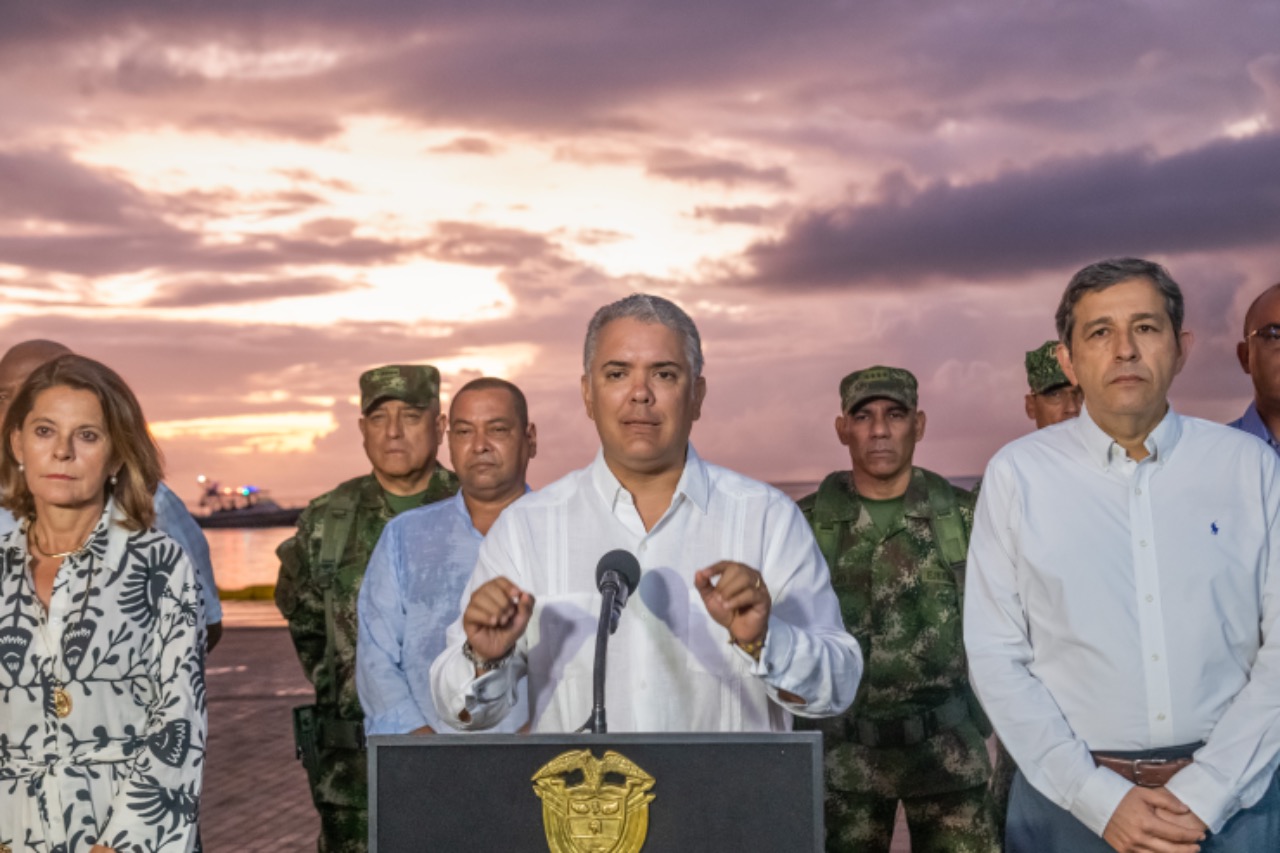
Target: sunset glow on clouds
x,y
242,207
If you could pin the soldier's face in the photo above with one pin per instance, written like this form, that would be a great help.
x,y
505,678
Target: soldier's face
x,y
641,393
1054,405
401,440
489,448
1124,353
881,436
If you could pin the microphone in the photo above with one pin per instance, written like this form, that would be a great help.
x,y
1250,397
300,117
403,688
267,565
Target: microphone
x,y
618,571
617,574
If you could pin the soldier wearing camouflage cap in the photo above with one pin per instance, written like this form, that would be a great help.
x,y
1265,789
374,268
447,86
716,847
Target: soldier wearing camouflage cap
x,y
895,538
1052,398
321,570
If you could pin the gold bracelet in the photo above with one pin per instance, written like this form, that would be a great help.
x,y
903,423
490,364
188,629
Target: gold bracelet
x,y
753,648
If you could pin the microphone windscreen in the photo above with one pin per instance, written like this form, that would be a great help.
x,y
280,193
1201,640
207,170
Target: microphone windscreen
x,y
624,563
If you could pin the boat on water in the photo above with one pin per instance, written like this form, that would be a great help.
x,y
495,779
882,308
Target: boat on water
x,y
241,506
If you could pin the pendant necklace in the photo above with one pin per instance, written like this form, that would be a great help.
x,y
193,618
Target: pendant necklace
x,y
61,698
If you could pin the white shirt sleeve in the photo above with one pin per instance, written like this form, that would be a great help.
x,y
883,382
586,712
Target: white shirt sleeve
x,y
1240,757
807,652
486,700
998,645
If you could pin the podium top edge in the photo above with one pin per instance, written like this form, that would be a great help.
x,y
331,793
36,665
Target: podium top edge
x,y
597,741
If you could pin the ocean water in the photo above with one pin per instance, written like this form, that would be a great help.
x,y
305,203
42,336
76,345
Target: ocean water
x,y
247,556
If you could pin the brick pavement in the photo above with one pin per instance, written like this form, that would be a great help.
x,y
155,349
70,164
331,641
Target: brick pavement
x,y
255,793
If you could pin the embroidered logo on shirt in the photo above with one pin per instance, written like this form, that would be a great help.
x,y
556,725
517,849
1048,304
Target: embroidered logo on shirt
x,y
1213,527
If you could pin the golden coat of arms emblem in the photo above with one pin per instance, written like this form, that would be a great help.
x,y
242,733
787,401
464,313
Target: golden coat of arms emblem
x,y
592,805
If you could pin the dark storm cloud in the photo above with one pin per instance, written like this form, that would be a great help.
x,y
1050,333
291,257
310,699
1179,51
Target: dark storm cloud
x,y
744,214
175,250
300,127
202,294
676,165
48,185
1223,196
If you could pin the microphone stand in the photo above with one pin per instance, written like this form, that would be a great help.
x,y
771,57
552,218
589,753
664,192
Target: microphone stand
x,y
608,623
617,574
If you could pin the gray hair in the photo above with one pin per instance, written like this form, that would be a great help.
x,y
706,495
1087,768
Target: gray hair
x,y
1115,271
646,309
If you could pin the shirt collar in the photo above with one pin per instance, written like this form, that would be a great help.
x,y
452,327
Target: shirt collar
x,y
1104,450
1252,423
694,485
460,506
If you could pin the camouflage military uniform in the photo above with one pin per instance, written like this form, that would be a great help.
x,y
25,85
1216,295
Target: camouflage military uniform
x,y
337,773
914,732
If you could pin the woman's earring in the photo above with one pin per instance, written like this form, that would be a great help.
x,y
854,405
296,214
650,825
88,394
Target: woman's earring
x,y
114,479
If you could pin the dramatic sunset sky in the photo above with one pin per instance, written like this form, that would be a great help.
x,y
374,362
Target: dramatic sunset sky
x,y
242,205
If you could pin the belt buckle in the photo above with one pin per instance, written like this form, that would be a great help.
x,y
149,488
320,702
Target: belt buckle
x,y
1147,764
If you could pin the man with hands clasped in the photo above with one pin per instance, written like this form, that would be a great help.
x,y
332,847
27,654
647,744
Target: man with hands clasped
x,y
1123,599
733,625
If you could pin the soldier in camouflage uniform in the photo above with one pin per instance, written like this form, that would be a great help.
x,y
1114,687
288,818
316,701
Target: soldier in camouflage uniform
x,y
895,538
1052,398
321,568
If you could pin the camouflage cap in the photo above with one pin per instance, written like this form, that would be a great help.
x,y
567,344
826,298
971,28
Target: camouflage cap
x,y
1043,370
891,383
415,384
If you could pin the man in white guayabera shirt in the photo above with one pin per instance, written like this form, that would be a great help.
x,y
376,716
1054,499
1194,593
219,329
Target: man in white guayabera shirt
x,y
1122,607
733,625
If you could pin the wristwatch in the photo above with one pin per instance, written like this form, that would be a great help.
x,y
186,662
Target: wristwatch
x,y
480,663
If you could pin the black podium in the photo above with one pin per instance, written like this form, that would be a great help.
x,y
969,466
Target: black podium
x,y
612,793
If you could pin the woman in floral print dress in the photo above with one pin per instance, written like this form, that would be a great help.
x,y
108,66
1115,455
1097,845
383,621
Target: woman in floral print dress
x,y
102,700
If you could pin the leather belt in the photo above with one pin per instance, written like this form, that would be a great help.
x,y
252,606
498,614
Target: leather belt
x,y
909,731
1145,772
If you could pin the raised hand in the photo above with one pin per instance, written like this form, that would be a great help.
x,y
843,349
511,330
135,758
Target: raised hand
x,y
737,598
496,617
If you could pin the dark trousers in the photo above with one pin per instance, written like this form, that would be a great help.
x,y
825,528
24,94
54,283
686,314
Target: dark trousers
x,y
1037,825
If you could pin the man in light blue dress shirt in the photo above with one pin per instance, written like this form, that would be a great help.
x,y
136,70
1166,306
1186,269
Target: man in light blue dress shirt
x,y
1122,606
413,587
1259,355
172,516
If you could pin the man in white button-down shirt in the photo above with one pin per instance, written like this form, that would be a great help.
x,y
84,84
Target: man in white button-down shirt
x,y
733,626
1123,599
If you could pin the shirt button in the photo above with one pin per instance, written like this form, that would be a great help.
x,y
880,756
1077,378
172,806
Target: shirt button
x,y
1137,491
1159,716
1150,598
1143,543
1155,657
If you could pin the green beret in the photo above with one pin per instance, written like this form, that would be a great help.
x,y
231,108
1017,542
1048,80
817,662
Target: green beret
x,y
415,384
1043,370
890,383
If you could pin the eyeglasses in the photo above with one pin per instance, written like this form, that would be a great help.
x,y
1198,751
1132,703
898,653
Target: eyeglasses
x,y
1268,334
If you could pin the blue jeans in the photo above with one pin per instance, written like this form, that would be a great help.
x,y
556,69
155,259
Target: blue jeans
x,y
1037,825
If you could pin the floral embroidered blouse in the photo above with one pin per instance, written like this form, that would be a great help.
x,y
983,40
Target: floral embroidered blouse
x,y
102,696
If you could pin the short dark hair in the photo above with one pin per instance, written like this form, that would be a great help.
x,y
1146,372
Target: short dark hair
x,y
646,308
1115,271
131,441
492,383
